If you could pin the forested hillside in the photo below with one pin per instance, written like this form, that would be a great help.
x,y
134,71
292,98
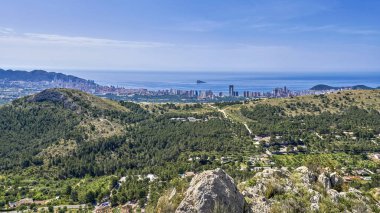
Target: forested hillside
x,y
77,146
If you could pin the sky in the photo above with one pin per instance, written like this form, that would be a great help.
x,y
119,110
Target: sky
x,y
191,35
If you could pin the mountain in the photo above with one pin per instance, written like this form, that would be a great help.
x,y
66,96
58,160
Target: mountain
x,y
39,75
35,126
273,154
321,87
361,87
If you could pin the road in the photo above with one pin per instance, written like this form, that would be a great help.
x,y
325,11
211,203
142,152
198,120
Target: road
x,y
220,110
226,116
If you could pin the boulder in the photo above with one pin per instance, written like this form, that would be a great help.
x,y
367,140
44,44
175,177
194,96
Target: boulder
x,y
336,180
307,177
324,179
314,199
314,206
212,191
334,195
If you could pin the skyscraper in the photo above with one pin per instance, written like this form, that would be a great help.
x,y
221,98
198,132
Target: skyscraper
x,y
231,90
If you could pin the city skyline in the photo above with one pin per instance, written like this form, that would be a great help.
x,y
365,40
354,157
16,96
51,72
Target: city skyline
x,y
271,35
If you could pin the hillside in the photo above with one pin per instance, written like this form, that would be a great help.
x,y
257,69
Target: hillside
x,y
89,150
39,75
321,87
39,122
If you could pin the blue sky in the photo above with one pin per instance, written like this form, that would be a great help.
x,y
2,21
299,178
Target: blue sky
x,y
191,35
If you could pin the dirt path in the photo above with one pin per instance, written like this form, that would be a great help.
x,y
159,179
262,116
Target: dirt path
x,y
225,115
249,130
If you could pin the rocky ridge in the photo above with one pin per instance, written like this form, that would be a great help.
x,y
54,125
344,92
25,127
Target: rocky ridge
x,y
274,190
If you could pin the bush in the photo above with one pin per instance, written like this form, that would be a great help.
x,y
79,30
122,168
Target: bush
x,y
273,190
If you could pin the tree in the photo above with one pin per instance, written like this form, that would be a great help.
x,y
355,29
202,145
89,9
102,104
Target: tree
x,y
90,197
51,208
68,190
114,182
114,201
74,196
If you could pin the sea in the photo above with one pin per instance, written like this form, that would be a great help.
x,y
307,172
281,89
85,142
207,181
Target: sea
x,y
220,81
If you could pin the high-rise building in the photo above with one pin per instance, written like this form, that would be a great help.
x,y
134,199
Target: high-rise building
x,y
231,90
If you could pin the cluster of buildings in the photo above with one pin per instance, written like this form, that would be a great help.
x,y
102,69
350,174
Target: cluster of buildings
x,y
10,90
280,92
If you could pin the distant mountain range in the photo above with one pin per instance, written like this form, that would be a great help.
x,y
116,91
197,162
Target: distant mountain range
x,y
40,75
320,87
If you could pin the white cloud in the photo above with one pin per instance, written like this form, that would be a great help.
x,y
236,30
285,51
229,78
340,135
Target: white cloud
x,y
56,51
6,31
91,41
10,35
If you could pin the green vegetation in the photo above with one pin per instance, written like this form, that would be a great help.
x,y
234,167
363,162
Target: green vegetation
x,y
68,144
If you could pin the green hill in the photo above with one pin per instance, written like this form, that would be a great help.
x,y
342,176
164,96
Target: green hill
x,y
35,123
321,87
70,144
98,131
361,87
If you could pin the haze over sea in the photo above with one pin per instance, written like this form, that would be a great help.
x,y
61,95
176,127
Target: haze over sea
x,y
219,81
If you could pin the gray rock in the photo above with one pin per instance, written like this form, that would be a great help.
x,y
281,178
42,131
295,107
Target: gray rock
x,y
315,198
260,204
314,206
355,191
324,180
307,177
334,195
212,191
336,180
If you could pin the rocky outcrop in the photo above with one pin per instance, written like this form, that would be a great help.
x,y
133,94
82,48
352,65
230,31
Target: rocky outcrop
x,y
300,190
336,180
56,96
273,190
269,182
324,179
212,191
307,177
329,181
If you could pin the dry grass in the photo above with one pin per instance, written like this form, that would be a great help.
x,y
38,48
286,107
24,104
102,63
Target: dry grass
x,y
101,128
61,149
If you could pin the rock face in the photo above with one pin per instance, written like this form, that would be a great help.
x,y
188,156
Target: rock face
x,y
306,176
300,190
324,179
274,190
212,191
330,180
